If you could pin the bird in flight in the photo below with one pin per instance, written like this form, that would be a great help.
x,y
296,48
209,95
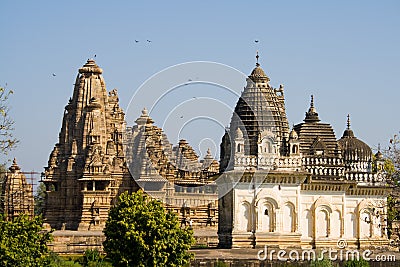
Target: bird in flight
x,y
54,75
148,40
181,117
136,41
256,41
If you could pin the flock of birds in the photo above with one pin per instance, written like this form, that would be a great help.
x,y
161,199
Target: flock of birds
x,y
137,41
147,40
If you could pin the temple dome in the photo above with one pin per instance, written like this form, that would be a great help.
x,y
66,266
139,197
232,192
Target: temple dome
x,y
258,74
353,149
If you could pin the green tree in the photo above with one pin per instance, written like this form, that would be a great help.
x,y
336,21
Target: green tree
x,y
7,139
40,198
23,242
392,171
93,258
139,232
392,165
2,178
321,263
357,263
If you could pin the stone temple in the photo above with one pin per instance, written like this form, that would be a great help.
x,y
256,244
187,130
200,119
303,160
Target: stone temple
x,y
88,167
16,195
301,187
274,185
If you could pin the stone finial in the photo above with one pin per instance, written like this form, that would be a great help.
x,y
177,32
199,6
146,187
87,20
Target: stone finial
x,y
312,115
348,132
257,57
14,167
312,107
348,121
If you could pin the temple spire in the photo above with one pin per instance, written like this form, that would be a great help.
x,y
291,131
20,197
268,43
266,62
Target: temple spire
x,y
312,115
348,121
312,107
348,132
258,74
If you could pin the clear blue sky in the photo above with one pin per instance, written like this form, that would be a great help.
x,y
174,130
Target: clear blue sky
x,y
346,53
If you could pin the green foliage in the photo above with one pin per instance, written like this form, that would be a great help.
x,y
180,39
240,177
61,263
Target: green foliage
x,y
392,170
392,213
93,258
392,162
23,242
321,263
56,261
2,179
221,264
40,198
7,139
139,232
357,263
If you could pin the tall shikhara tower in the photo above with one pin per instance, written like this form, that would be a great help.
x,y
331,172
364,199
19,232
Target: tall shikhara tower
x,y
87,167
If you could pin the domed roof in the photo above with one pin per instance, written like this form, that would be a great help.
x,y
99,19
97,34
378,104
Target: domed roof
x,y
353,149
258,74
315,136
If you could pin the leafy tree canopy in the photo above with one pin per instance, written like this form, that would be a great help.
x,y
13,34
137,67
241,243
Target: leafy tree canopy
x,y
139,232
40,198
23,242
7,139
392,164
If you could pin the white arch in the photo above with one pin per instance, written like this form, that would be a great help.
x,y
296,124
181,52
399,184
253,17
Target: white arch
x,y
289,217
266,214
244,218
336,223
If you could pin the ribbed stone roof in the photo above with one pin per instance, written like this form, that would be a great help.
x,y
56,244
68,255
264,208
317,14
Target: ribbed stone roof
x,y
315,135
260,107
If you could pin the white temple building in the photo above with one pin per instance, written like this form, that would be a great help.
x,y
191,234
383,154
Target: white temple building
x,y
300,188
